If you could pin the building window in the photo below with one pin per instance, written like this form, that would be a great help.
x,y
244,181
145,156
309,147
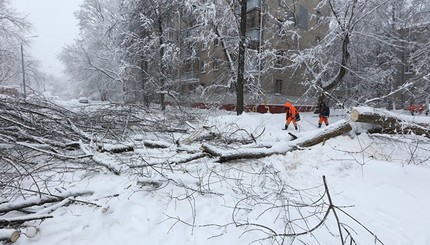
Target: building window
x,y
278,87
290,17
202,67
215,64
303,18
318,17
253,34
192,87
253,19
280,24
282,3
279,58
252,65
170,36
409,69
253,4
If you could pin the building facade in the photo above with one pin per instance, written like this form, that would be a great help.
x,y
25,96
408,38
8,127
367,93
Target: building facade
x,y
414,46
274,28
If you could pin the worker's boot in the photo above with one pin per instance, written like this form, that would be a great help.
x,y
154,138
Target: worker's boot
x,y
319,125
295,126
286,127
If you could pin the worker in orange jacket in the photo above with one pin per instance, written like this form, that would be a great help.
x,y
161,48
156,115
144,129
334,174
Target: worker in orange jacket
x,y
292,115
324,114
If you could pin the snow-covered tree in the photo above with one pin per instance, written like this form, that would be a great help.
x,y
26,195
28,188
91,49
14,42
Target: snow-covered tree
x,y
361,57
13,28
94,59
151,51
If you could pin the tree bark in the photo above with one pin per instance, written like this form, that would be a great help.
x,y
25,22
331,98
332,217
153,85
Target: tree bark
x,y
241,60
9,235
390,122
327,133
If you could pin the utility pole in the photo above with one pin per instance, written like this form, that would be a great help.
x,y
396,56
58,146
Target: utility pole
x,y
23,72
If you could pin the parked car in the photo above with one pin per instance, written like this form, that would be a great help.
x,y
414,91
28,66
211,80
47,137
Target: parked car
x,y
83,100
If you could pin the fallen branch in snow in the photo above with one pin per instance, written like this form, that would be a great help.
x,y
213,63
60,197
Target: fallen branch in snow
x,y
116,148
9,235
151,182
324,210
37,135
231,133
212,150
156,144
180,159
189,158
311,139
390,122
97,159
60,156
199,134
35,201
16,221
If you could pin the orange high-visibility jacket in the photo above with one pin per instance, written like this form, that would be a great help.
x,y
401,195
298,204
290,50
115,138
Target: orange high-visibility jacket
x,y
290,109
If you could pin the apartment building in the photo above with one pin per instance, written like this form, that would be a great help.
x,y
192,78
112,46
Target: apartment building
x,y
274,27
414,47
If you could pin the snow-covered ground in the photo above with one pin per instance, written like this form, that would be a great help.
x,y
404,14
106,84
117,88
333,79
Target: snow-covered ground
x,y
381,183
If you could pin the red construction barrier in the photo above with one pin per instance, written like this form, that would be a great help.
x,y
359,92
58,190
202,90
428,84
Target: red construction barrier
x,y
274,109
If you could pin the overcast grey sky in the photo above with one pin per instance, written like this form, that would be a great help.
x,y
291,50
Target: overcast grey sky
x,y
54,25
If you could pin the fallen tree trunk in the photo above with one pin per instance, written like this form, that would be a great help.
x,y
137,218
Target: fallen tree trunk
x,y
390,122
311,139
332,131
9,235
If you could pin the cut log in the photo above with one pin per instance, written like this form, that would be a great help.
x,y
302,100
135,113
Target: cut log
x,y
390,122
311,139
9,235
327,133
